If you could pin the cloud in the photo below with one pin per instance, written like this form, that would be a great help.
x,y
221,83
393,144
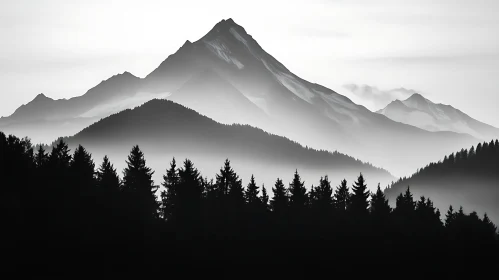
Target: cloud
x,y
374,98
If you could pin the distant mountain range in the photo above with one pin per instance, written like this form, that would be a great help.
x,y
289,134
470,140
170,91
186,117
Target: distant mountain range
x,y
227,76
468,178
421,112
164,129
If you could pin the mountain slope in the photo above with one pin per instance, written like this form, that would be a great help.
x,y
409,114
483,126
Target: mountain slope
x,y
467,178
44,118
164,129
305,112
44,108
421,112
283,103
211,95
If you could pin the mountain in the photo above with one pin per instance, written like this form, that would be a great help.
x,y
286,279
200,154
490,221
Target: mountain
x,y
219,73
164,129
213,96
421,112
44,118
467,178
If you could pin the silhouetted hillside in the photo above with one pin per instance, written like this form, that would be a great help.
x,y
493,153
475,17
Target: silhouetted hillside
x,y
165,129
468,178
71,204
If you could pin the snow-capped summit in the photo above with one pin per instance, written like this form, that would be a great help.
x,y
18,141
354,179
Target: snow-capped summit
x,y
423,113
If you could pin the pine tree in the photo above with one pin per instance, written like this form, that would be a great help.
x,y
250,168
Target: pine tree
x,y
41,158
471,153
83,168
60,158
225,178
379,204
323,194
59,176
460,213
280,199
298,194
264,198
450,217
406,203
189,193
490,228
110,199
342,197
251,193
236,193
107,177
169,195
312,196
139,186
359,199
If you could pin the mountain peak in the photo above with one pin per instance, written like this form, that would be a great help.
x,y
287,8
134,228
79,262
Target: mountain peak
x,y
417,96
40,97
226,23
223,27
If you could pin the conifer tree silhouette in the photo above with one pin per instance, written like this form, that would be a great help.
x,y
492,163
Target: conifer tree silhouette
x,y
380,209
264,198
341,198
225,178
490,228
110,201
107,177
139,186
405,203
236,192
359,199
41,158
60,157
324,196
298,194
312,196
280,199
450,216
251,194
190,198
83,169
169,195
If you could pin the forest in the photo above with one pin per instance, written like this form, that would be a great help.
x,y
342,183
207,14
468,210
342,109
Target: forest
x,y
63,200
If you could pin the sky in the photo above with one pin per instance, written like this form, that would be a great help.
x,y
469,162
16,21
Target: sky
x,y
446,50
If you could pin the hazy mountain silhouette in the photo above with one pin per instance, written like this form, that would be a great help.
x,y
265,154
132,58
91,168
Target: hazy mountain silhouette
x,y
467,178
165,129
43,118
423,113
305,112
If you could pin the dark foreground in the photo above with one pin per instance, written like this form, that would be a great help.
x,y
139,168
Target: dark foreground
x,y
60,212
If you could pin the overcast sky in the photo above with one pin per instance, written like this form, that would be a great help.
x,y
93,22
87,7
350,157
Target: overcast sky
x,y
447,50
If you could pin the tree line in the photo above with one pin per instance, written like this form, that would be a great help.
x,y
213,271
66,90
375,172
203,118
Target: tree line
x,y
64,199
480,162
